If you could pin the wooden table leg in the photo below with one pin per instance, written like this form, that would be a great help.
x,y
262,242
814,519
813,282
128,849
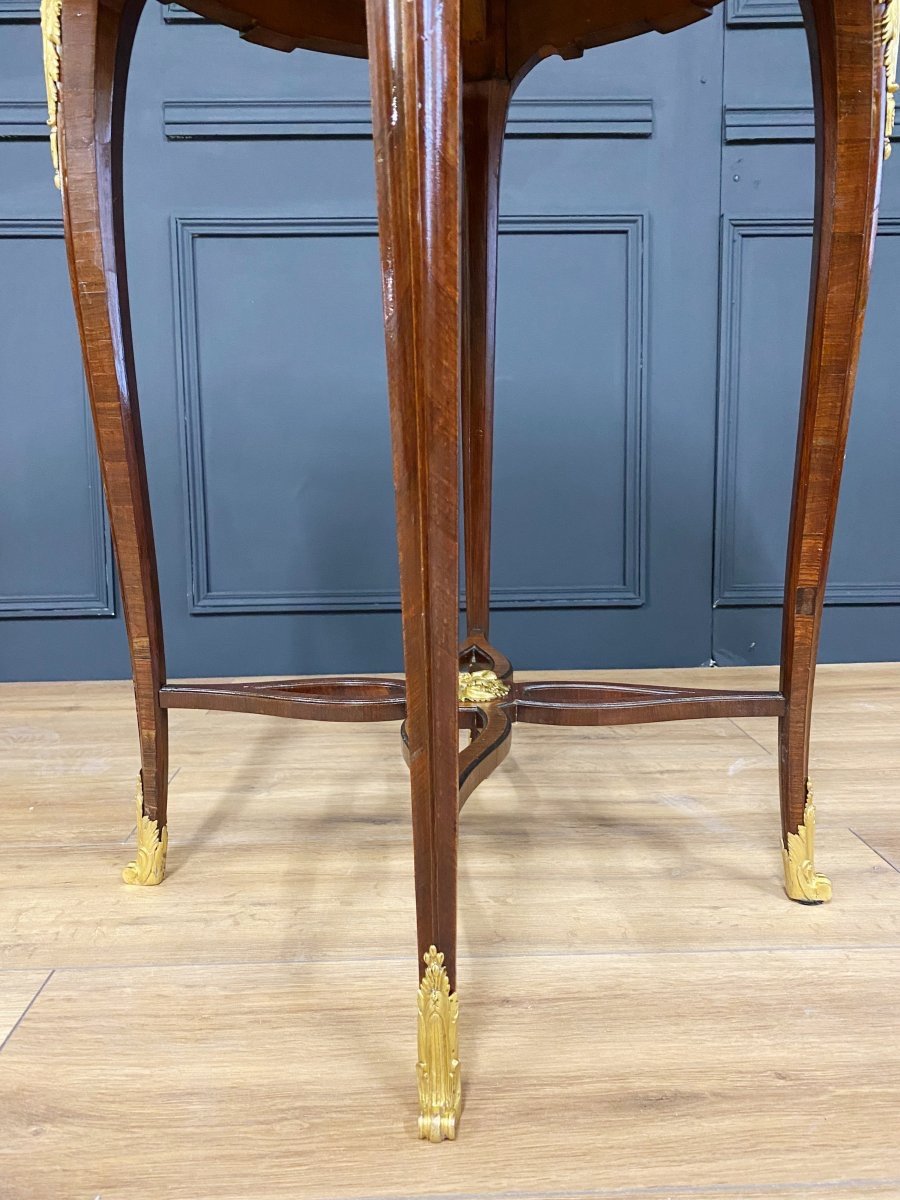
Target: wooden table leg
x,y
414,51
847,55
485,107
92,50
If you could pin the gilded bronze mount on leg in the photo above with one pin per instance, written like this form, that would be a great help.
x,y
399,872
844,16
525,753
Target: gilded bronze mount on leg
x,y
149,868
801,880
440,1087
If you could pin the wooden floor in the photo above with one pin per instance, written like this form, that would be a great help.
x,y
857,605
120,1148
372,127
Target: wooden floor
x,y
643,1013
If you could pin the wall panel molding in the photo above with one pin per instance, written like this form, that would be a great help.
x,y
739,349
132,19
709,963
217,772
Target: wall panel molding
x,y
235,119
205,599
19,12
728,590
761,13
209,120
23,120
768,123
100,600
177,14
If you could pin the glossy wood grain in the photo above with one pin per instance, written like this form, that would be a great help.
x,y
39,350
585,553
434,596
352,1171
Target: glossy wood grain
x,y
587,703
416,97
485,107
489,746
329,699
540,702
499,39
98,39
537,29
847,61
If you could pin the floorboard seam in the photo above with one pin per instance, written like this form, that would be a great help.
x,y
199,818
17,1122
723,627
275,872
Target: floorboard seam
x,y
852,1187
892,865
110,846
398,838
26,1010
470,958
769,754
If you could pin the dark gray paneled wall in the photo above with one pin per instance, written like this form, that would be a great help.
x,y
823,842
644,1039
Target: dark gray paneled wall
x,y
654,261
767,161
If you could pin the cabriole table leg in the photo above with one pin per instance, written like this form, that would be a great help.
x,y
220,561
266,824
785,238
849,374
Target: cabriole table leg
x,y
87,49
414,51
847,43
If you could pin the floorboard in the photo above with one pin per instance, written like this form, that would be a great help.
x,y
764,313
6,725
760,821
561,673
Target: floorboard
x,y
643,1013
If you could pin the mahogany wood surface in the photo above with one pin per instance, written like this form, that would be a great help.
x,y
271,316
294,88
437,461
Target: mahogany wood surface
x,y
344,699
541,702
490,744
442,72
499,39
484,110
416,101
573,703
98,41
848,75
